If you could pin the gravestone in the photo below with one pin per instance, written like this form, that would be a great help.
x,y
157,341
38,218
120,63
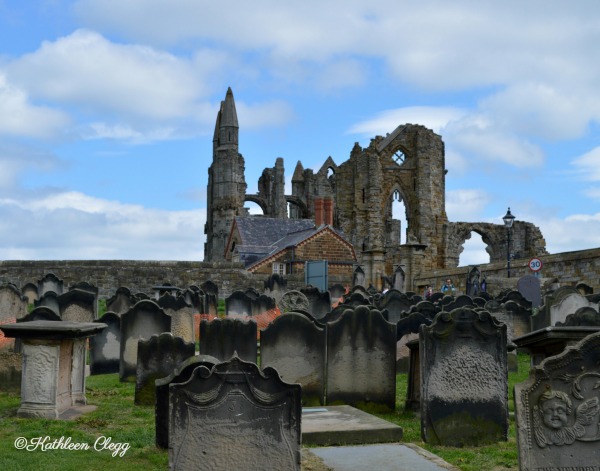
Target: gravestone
x,y
319,302
77,305
121,301
275,286
181,374
211,297
361,359
41,313
49,300
50,282
294,345
234,416
221,338
464,379
292,301
396,304
30,290
157,358
529,287
88,288
584,316
238,304
105,347
557,411
336,292
182,315
262,303
142,321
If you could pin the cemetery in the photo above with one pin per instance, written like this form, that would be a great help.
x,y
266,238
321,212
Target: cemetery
x,y
182,378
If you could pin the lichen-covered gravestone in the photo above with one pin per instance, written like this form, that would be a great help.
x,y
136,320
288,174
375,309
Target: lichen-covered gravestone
x,y
464,387
557,411
234,416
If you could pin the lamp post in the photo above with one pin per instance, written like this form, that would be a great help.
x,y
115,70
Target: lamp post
x,y
509,219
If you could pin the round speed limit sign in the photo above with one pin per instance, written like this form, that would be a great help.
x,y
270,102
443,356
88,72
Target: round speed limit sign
x,y
535,264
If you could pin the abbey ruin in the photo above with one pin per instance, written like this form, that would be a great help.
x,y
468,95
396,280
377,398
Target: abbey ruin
x,y
355,197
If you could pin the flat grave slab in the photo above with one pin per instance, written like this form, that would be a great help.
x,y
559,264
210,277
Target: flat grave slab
x,y
345,425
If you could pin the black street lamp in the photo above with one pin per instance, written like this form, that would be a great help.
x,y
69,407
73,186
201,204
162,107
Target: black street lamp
x,y
509,219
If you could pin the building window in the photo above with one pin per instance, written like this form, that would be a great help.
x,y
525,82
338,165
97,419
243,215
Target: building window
x,y
279,268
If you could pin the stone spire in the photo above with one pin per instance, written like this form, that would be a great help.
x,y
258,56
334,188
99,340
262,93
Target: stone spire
x,y
227,128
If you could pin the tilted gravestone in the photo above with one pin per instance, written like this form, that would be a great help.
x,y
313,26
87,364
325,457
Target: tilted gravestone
x,y
105,347
361,359
221,338
557,411
158,357
142,321
234,416
464,379
181,374
294,345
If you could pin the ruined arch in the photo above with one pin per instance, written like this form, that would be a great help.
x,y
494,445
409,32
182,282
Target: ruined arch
x,y
296,201
258,200
462,232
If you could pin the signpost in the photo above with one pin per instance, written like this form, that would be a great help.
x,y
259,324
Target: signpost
x,y
535,264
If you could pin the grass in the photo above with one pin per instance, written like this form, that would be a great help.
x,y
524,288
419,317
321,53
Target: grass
x,y
120,420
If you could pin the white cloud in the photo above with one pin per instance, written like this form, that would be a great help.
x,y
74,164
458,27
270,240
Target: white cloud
x,y
19,117
72,225
260,115
435,118
574,232
588,165
466,205
16,160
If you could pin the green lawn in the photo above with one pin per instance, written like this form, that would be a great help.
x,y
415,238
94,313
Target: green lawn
x,y
120,421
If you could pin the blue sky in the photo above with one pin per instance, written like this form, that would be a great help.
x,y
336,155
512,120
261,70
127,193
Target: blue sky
x,y
107,110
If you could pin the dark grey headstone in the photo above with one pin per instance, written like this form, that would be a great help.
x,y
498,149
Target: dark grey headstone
x,y
529,287
557,411
464,379
361,359
238,304
105,347
319,302
121,301
161,408
157,358
221,338
142,321
294,345
50,282
234,416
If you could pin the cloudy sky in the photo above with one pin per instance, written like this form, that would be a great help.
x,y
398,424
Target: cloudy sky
x,y
107,109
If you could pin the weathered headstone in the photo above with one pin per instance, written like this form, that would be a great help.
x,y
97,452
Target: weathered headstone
x,y
181,374
142,321
77,305
105,347
319,302
49,300
221,338
294,345
157,358
238,304
182,315
557,411
234,416
361,359
464,379
121,301
211,297
50,282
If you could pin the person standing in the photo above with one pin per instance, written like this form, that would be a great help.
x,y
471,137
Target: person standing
x,y
448,287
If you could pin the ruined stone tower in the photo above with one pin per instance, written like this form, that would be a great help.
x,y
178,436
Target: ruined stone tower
x,y
226,181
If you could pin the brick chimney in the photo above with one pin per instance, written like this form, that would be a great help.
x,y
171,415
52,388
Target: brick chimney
x,y
328,211
318,202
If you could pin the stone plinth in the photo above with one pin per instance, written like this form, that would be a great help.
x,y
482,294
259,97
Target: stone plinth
x,y
53,378
551,341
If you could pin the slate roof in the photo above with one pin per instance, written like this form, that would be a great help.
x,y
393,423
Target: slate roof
x,y
263,237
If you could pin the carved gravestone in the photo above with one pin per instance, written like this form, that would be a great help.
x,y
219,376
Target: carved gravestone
x,y
142,321
234,416
293,301
529,287
361,359
221,338
557,411
105,347
464,379
181,374
158,357
294,345
182,315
